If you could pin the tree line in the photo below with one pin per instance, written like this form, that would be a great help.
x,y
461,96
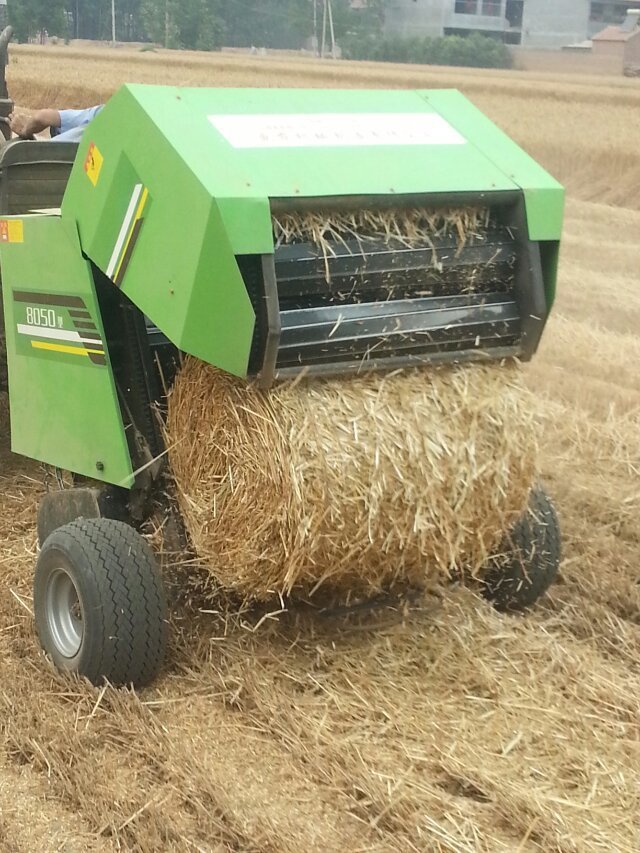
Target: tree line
x,y
193,24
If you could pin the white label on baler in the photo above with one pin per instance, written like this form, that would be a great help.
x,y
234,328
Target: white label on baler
x,y
324,130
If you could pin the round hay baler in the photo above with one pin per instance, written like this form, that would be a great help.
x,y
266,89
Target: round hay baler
x,y
292,321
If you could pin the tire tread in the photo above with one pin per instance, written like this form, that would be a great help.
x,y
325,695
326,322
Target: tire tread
x,y
132,612
533,550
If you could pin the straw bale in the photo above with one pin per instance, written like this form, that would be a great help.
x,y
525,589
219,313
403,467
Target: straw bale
x,y
355,484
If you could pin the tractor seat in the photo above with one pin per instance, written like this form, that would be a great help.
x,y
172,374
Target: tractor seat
x,y
34,175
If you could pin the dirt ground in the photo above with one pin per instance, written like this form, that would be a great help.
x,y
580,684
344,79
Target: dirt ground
x,y
442,726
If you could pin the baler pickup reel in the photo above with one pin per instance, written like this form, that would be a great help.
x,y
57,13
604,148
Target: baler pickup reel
x,y
365,302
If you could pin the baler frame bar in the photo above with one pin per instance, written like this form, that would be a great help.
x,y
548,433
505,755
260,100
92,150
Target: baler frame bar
x,y
501,198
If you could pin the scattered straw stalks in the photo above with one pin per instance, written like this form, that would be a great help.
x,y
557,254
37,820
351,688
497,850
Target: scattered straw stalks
x,y
353,485
400,227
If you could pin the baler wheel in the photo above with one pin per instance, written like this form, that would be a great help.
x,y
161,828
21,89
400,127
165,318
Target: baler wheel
x,y
99,604
529,558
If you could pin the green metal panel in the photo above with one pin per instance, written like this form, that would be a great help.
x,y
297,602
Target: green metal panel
x,y
63,403
171,184
175,261
243,179
544,196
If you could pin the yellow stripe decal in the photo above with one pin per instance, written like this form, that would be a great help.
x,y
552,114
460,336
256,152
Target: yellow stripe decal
x,y
136,218
143,201
69,350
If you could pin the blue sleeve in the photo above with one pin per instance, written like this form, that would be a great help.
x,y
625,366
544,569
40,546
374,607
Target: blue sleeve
x,y
73,122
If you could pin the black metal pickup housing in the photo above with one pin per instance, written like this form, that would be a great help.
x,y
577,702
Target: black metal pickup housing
x,y
372,304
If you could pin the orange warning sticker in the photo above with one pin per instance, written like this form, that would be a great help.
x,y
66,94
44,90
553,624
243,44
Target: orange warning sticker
x,y
93,163
11,231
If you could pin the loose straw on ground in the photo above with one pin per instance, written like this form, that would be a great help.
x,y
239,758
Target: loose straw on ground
x,y
353,484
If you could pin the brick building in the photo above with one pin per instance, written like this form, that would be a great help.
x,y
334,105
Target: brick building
x,y
621,44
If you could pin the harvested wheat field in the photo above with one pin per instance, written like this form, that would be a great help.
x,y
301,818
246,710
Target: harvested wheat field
x,y
440,725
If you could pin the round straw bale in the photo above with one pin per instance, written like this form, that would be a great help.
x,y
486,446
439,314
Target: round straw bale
x,y
352,484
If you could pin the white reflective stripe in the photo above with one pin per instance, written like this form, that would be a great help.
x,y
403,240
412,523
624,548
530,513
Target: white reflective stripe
x,y
330,130
122,236
54,334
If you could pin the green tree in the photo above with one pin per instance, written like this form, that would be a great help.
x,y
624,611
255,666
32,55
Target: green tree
x,y
268,23
199,24
357,30
128,21
474,50
30,17
91,19
191,24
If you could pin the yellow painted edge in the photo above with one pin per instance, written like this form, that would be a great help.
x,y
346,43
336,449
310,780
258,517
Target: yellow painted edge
x,y
69,350
139,212
143,201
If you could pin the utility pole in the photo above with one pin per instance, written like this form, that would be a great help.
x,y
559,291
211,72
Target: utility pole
x,y
327,15
166,23
113,23
315,27
333,33
324,29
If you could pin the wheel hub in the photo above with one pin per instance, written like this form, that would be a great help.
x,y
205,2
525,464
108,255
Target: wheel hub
x,y
64,613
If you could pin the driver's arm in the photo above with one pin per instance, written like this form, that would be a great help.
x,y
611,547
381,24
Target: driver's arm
x,y
26,126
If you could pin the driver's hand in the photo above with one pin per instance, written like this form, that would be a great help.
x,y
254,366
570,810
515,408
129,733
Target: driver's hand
x,y
21,125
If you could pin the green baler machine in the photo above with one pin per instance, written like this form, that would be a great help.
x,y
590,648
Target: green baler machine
x,y
164,245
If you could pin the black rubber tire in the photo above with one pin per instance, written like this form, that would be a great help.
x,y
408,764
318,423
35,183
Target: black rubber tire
x,y
123,624
529,559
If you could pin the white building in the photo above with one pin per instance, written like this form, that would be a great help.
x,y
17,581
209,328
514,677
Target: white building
x,y
532,23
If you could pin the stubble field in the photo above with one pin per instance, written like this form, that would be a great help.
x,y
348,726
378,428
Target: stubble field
x,y
441,727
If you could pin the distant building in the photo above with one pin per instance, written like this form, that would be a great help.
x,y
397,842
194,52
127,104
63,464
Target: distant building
x,y
609,12
531,23
621,43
